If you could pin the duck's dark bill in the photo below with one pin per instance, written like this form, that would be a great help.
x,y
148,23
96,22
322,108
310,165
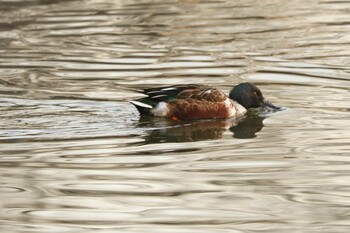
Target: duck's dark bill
x,y
268,104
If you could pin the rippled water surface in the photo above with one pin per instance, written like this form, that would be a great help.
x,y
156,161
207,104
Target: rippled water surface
x,y
76,157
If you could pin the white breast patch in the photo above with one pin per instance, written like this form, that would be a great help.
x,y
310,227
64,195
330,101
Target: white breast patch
x,y
234,108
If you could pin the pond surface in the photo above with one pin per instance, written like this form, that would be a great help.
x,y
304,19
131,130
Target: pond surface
x,y
76,157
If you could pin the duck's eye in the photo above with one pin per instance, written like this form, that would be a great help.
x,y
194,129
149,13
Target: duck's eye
x,y
257,93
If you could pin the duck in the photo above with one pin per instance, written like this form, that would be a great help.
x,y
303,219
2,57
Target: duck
x,y
192,101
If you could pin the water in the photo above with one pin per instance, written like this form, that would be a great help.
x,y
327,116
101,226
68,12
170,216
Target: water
x,y
76,157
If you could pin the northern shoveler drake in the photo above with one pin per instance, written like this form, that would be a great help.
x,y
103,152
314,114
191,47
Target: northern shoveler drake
x,y
189,102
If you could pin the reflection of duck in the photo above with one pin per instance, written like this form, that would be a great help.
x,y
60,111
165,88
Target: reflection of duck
x,y
188,102
167,130
251,124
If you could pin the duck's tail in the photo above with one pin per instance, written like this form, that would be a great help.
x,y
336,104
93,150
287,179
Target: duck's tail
x,y
142,107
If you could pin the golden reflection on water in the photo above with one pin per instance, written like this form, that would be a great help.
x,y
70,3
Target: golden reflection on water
x,y
76,157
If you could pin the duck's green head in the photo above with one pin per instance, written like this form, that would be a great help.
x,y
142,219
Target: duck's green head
x,y
249,96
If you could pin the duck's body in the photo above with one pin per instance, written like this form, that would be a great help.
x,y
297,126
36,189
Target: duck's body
x,y
189,102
